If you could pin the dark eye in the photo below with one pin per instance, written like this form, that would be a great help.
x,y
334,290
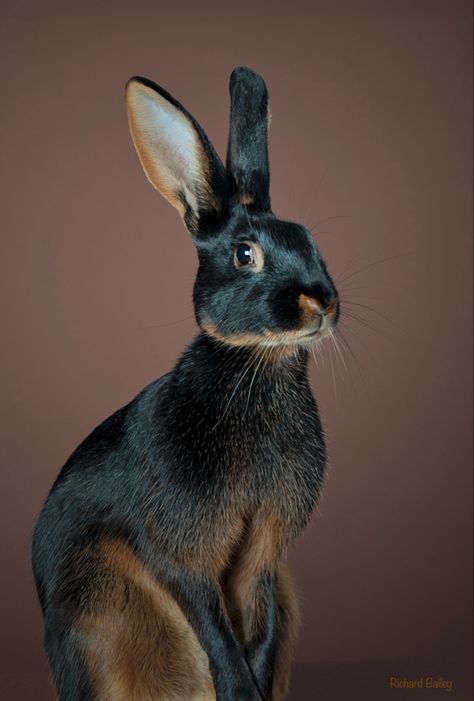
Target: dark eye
x,y
244,255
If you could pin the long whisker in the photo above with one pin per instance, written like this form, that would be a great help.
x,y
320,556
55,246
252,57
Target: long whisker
x,y
316,351
367,267
373,311
340,277
342,356
355,359
354,288
313,353
323,221
355,317
170,323
362,343
333,375
338,349
246,369
262,356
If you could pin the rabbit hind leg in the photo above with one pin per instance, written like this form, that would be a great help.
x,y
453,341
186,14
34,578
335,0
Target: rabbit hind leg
x,y
138,645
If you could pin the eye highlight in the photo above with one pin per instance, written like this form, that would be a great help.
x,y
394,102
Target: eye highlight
x,y
248,255
244,254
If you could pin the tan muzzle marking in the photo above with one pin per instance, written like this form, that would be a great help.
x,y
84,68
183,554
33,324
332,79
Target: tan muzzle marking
x,y
310,308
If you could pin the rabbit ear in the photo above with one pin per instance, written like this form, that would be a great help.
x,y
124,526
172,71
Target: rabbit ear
x,y
176,155
247,152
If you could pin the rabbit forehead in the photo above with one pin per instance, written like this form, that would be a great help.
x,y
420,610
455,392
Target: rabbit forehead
x,y
274,235
287,248
279,233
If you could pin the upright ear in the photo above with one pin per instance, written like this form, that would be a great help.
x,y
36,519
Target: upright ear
x,y
175,153
247,152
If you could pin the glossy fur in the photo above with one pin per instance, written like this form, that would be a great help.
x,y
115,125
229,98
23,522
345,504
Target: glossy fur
x,y
159,555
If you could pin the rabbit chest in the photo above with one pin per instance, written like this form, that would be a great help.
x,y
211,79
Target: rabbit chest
x,y
245,470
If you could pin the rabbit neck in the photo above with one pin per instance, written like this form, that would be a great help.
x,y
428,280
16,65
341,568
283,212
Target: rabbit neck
x,y
227,416
220,396
239,380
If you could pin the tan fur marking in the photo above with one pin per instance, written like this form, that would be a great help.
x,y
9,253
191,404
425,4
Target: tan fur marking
x,y
246,199
289,623
284,344
309,307
214,558
260,551
138,644
237,339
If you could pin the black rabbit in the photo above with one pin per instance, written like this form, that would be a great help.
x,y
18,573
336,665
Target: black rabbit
x,y
159,555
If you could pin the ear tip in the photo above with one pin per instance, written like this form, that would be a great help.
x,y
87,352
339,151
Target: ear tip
x,y
244,71
132,86
137,81
243,75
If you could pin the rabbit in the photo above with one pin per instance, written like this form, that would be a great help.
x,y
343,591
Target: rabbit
x,y
160,553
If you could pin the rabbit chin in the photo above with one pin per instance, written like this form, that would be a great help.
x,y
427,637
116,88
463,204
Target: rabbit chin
x,y
289,341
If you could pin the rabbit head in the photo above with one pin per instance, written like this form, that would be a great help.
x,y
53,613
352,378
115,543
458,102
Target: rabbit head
x,y
261,280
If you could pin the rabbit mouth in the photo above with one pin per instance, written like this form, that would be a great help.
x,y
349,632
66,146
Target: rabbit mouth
x,y
323,329
319,329
290,340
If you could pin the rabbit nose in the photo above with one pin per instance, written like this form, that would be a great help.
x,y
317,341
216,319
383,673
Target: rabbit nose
x,y
312,311
309,305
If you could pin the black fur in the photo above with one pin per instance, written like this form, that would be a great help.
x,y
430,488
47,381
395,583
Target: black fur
x,y
262,648
247,153
215,433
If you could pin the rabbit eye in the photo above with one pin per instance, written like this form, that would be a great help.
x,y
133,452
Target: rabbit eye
x,y
249,255
244,255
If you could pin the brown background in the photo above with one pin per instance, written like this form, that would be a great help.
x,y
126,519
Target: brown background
x,y
370,136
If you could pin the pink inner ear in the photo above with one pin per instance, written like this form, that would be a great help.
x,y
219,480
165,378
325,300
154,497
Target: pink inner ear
x,y
168,146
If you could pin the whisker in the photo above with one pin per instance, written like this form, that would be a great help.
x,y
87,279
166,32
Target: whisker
x,y
323,221
374,311
170,323
333,375
356,361
361,341
323,232
340,278
343,360
355,317
246,369
343,288
338,349
370,265
262,356
313,353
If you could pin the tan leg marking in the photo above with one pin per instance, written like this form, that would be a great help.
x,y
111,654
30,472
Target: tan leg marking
x,y
289,622
138,644
263,549
259,551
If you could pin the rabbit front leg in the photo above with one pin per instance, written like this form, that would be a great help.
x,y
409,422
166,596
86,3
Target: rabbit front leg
x,y
261,628
202,603
267,625
262,604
